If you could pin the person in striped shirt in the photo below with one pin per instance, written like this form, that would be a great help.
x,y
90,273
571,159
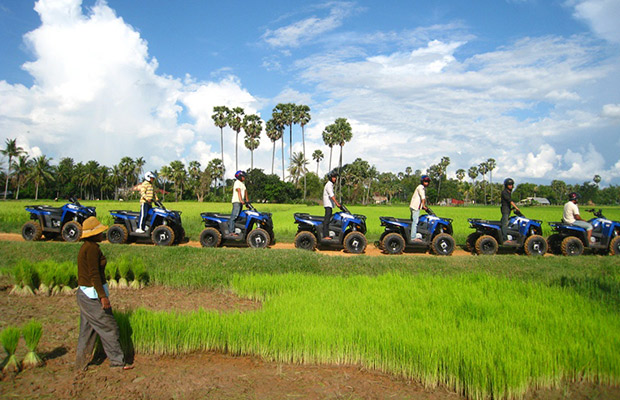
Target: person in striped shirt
x,y
147,195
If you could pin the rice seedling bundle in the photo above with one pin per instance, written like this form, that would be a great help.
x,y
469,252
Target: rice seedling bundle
x,y
476,334
25,278
139,272
124,268
46,271
111,273
10,337
32,332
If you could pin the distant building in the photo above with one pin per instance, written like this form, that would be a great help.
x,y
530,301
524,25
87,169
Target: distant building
x,y
380,199
451,202
541,201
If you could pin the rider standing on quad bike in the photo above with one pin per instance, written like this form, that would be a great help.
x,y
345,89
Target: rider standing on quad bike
x,y
571,215
147,194
329,201
418,202
507,206
239,198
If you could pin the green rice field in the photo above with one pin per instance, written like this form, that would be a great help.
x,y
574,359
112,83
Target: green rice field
x,y
13,215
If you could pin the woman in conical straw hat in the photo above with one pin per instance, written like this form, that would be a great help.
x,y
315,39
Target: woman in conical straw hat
x,y
96,317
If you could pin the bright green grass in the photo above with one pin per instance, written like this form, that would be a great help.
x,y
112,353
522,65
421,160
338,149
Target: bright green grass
x,y
13,215
474,333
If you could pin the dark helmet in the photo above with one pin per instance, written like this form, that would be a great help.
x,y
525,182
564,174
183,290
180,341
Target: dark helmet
x,y
509,181
573,196
425,178
333,174
240,174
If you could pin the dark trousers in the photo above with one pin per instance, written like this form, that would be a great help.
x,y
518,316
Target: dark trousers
x,y
96,321
236,210
328,217
144,210
504,223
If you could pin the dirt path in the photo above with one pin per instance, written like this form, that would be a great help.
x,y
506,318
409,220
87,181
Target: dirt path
x,y
371,250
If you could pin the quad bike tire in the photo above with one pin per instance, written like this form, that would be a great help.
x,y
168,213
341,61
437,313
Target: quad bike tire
x,y
535,245
210,237
614,246
117,234
71,231
470,243
258,238
572,246
443,245
305,240
355,242
163,235
486,245
393,243
32,231
554,243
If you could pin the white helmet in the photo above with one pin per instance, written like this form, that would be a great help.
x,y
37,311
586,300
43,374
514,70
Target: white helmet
x,y
150,175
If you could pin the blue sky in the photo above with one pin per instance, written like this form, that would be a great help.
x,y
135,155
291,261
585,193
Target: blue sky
x,y
534,84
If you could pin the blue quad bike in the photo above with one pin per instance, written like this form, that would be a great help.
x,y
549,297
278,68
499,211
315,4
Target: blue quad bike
x,y
252,227
345,230
524,234
50,222
435,233
163,226
571,240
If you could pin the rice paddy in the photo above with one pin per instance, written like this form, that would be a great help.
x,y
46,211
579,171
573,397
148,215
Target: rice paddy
x,y
476,334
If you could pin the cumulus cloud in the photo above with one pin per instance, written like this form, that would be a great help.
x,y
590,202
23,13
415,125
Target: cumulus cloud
x,y
97,94
611,110
601,15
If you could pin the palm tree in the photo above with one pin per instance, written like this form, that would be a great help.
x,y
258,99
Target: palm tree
x,y
220,118
128,168
491,164
302,117
284,114
597,179
179,176
90,177
442,169
21,169
11,150
139,163
297,168
328,139
483,169
115,179
165,174
274,133
473,174
41,172
194,172
216,170
253,126
318,157
342,134
235,121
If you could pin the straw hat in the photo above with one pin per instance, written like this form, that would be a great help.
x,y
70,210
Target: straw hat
x,y
92,227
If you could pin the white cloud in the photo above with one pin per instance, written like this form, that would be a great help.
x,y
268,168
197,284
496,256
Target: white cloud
x,y
611,110
97,94
303,31
601,15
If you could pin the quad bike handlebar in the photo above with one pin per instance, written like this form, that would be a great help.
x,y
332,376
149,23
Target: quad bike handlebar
x,y
597,213
344,208
249,206
429,211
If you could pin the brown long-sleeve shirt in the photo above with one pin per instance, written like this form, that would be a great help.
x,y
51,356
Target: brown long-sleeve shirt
x,y
91,267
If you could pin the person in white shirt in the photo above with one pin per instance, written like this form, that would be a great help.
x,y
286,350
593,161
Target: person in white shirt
x,y
239,198
571,215
329,201
418,202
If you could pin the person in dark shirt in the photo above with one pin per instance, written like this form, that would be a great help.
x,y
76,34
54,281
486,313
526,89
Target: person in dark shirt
x,y
96,318
507,205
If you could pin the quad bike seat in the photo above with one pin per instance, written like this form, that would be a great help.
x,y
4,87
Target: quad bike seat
x,y
319,218
125,212
401,220
215,215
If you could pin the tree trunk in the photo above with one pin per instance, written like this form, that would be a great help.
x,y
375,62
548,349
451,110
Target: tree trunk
x,y
273,156
222,143
236,152
282,158
36,192
290,143
340,177
251,159
330,158
317,168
